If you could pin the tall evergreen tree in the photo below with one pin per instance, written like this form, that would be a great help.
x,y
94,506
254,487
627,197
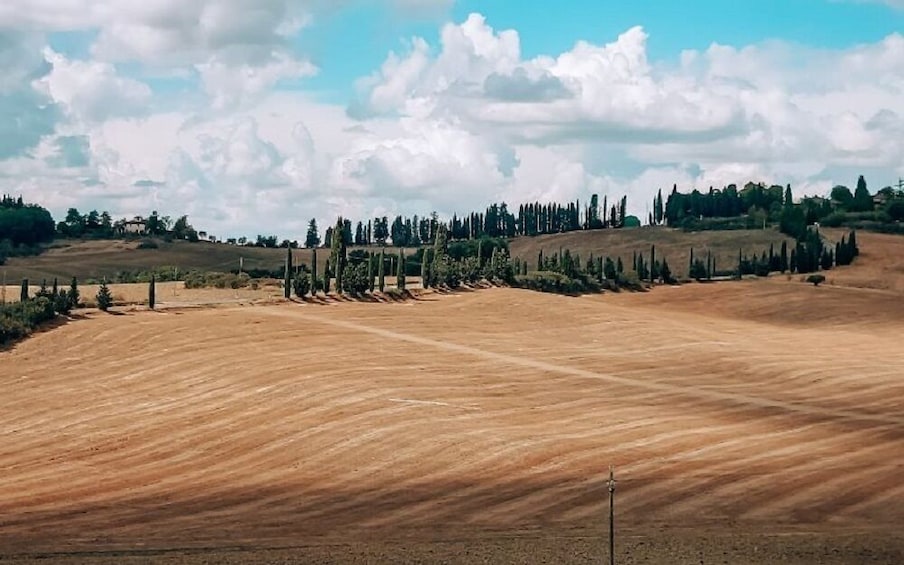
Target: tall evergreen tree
x,y
23,292
425,269
287,276
104,297
652,262
400,274
783,257
56,287
863,200
312,238
326,277
152,292
338,251
371,276
73,295
314,275
382,270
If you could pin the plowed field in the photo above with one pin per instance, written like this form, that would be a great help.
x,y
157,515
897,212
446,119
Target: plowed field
x,y
747,422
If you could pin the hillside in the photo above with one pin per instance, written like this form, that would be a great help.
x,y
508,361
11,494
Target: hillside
x,y
672,244
431,431
95,259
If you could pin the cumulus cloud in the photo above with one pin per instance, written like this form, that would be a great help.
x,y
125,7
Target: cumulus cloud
x,y
91,91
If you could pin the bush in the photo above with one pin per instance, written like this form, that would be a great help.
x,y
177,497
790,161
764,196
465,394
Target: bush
x,y
301,284
147,244
355,280
18,319
198,279
816,280
557,283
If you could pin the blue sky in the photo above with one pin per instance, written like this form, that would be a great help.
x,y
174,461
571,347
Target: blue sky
x,y
253,115
547,28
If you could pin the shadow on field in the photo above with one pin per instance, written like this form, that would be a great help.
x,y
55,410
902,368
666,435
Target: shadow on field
x,y
449,522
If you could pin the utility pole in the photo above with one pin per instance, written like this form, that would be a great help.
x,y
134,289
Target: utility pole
x,y
611,485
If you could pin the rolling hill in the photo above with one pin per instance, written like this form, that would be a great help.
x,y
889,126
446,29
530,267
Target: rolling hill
x,y
670,243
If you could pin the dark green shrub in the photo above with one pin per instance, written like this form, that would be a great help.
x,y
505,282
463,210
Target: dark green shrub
x,y
816,280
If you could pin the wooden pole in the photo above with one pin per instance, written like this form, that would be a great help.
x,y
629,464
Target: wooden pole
x,y
611,485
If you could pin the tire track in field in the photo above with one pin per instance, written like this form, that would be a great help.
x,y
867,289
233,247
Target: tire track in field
x,y
650,385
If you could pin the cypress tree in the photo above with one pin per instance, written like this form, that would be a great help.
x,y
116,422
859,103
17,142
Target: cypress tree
x,y
652,261
73,295
690,264
480,253
382,271
104,296
56,287
287,276
539,261
620,267
314,284
326,277
370,272
400,274
425,269
152,292
852,245
783,257
23,293
665,273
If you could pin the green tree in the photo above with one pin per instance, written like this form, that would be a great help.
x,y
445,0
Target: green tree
x,y
400,274
783,257
287,276
23,292
665,273
104,297
338,252
152,292
73,295
382,269
652,262
842,196
863,200
301,284
315,282
371,276
425,269
312,238
326,277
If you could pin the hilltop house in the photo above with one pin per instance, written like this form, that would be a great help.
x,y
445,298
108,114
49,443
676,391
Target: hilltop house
x,y
135,226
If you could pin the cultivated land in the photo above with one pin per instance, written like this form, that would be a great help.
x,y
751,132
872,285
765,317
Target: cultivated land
x,y
96,259
751,422
673,244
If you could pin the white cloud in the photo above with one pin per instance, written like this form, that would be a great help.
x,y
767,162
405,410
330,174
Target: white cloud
x,y
91,91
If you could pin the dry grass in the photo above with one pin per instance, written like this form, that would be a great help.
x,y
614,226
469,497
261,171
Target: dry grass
x,y
466,427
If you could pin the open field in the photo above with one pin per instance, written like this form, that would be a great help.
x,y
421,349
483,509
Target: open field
x,y
96,259
754,422
673,244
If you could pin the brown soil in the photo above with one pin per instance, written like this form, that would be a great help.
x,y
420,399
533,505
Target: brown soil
x,y
747,422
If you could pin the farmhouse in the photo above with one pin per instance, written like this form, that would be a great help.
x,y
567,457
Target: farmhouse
x,y
135,226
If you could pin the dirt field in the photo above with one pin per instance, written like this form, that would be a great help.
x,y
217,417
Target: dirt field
x,y
755,422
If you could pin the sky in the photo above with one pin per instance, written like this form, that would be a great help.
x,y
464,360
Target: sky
x,y
253,117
